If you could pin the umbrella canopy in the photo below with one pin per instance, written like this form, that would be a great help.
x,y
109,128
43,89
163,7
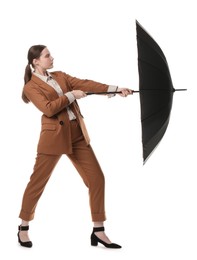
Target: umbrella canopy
x,y
156,91
155,88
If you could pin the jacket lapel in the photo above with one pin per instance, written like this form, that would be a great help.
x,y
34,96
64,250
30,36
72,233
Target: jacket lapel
x,y
56,76
46,87
60,80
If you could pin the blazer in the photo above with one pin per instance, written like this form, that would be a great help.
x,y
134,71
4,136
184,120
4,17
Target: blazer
x,y
55,134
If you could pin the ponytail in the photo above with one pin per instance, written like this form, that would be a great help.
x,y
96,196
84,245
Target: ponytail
x,y
33,53
27,77
28,73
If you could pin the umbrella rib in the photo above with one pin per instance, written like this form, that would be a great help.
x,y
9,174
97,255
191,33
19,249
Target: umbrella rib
x,y
153,66
155,112
163,58
153,137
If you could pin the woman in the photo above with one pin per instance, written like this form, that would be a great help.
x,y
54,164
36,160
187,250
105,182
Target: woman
x,y
63,132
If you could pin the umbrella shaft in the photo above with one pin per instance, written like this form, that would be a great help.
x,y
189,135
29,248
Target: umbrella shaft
x,y
102,93
134,91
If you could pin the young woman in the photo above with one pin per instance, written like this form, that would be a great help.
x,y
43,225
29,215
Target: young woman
x,y
63,132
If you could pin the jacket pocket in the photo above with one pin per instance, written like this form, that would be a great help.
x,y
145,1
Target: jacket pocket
x,y
48,127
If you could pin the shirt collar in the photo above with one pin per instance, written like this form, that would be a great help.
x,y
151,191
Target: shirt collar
x,y
42,77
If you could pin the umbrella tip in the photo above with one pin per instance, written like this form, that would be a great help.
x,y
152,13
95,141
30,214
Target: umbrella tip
x,y
179,89
136,21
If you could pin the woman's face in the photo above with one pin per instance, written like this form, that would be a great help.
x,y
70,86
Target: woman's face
x,y
44,62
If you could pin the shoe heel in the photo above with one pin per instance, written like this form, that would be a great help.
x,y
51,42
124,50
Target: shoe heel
x,y
94,242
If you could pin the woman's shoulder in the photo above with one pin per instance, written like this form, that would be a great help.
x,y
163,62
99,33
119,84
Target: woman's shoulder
x,y
60,73
31,82
57,73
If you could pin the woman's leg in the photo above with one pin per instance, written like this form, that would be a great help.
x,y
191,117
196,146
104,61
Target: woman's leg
x,y
43,168
84,160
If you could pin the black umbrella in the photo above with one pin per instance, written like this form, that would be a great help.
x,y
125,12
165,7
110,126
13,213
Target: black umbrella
x,y
156,91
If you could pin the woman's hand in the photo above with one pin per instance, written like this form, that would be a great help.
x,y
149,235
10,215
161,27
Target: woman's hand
x,y
78,94
125,92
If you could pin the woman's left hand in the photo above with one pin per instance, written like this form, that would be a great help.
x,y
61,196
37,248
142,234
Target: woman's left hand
x,y
125,92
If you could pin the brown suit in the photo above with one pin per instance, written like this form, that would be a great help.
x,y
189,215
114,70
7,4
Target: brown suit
x,y
60,136
55,137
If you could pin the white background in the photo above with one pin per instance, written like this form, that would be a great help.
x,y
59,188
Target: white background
x,y
151,209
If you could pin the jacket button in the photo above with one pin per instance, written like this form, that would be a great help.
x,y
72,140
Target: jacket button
x,y
61,122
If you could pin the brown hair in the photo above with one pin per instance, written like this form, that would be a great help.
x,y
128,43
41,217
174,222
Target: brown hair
x,y
33,53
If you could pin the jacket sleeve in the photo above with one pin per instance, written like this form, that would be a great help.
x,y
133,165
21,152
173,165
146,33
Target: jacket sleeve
x,y
85,85
40,100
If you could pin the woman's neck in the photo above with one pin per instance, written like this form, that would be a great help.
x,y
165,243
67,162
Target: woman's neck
x,y
41,71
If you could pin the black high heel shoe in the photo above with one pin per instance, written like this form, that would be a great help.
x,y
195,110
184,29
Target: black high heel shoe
x,y
95,240
27,243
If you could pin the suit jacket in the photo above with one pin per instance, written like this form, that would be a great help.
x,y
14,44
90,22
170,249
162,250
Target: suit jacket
x,y
55,135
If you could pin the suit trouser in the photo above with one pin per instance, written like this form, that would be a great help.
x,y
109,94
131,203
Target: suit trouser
x,y
84,160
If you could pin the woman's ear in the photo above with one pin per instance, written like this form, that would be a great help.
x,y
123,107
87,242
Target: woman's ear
x,y
35,62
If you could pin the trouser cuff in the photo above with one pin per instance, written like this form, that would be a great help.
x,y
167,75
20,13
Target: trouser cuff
x,y
100,217
26,216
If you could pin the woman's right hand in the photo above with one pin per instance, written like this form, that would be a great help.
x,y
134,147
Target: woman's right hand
x,y
78,94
